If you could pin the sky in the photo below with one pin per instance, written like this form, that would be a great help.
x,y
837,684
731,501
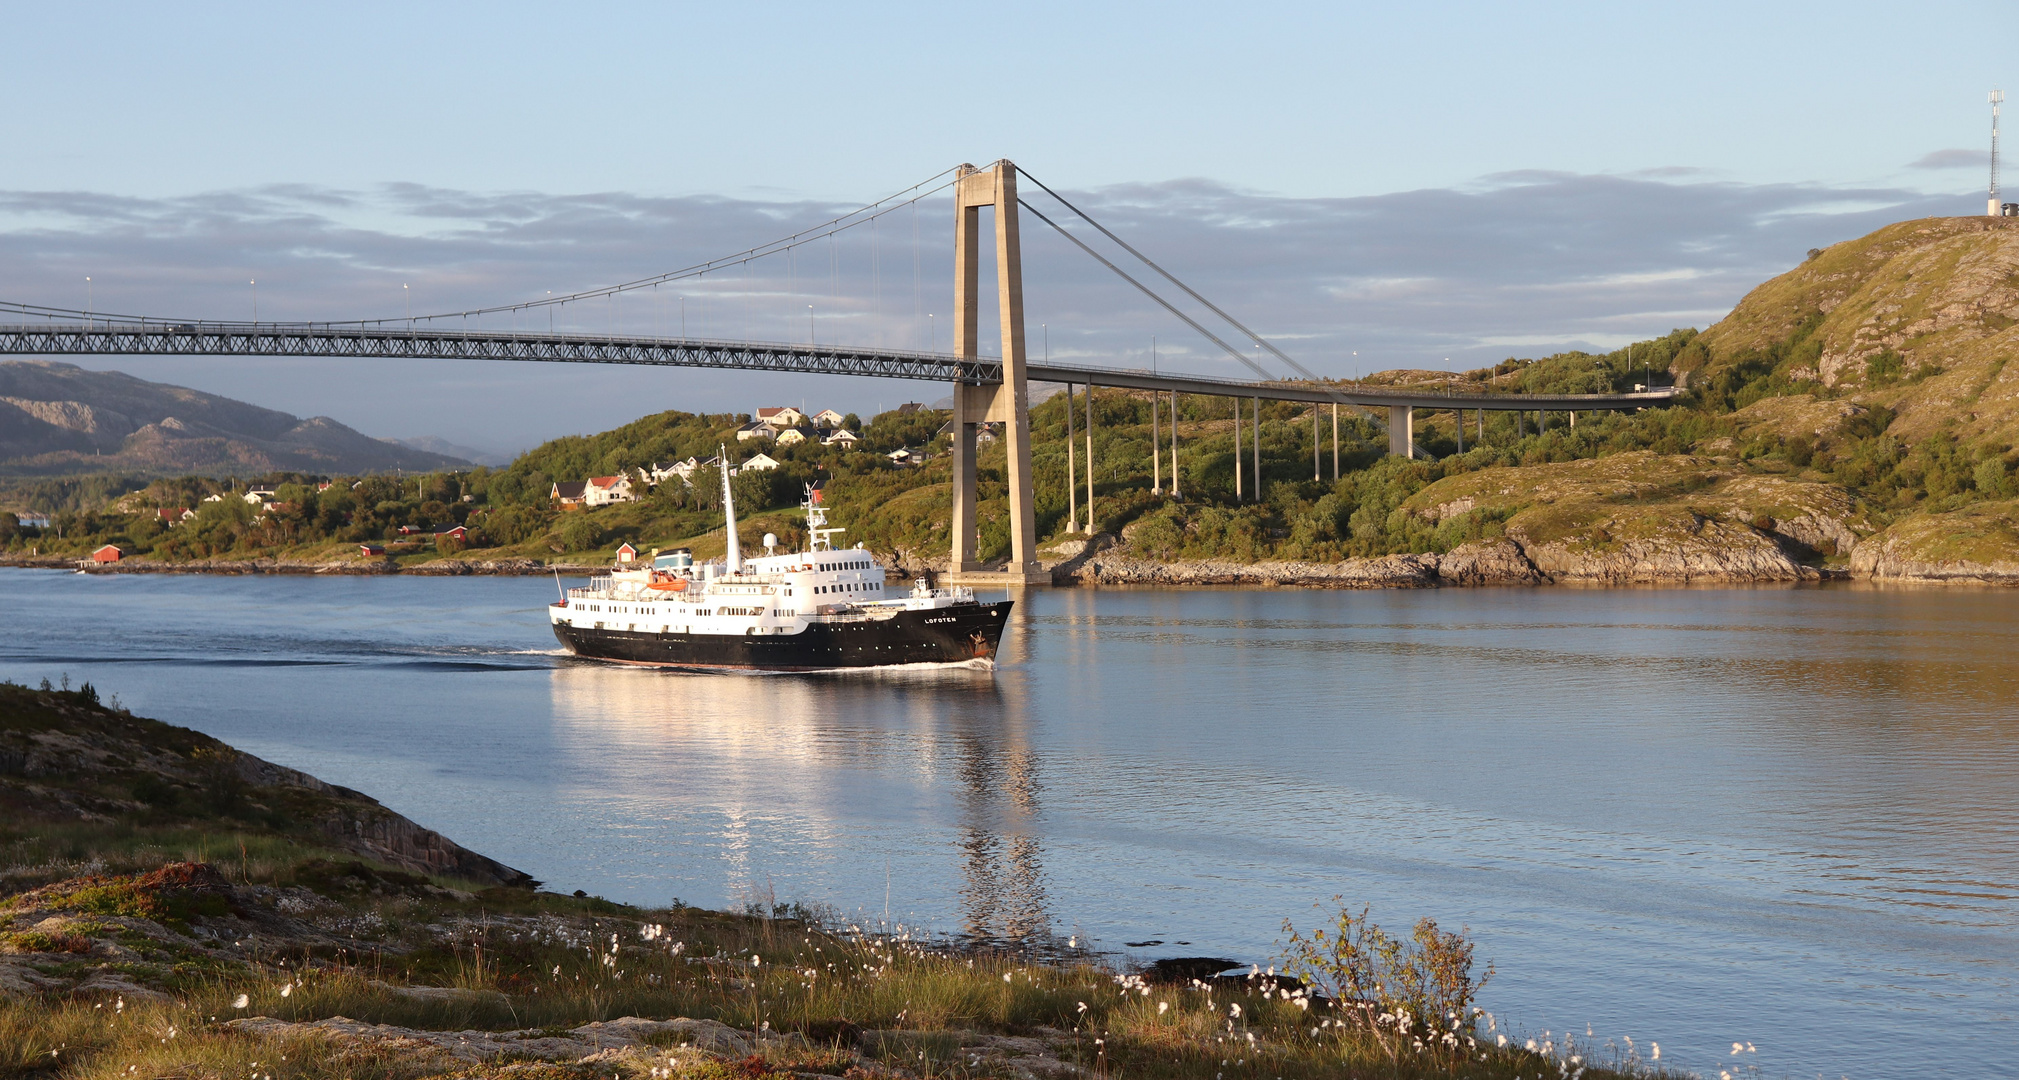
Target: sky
x,y
1370,186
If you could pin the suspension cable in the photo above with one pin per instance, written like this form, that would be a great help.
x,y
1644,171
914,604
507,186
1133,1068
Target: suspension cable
x,y
1168,276
908,197
828,228
1147,291
1189,291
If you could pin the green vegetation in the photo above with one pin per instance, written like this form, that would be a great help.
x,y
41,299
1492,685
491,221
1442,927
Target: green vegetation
x,y
133,945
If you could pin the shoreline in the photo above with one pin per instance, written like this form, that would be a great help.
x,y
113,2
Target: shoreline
x,y
1098,562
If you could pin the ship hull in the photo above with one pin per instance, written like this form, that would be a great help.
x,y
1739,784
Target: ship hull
x,y
951,635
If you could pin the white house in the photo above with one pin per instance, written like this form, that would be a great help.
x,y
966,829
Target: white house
x,y
841,437
827,418
604,490
759,462
781,417
756,429
256,496
791,437
659,473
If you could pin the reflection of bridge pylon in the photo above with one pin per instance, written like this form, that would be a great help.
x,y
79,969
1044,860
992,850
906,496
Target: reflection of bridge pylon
x,y
1006,402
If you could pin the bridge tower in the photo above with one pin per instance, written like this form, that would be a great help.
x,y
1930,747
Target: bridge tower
x,y
1007,402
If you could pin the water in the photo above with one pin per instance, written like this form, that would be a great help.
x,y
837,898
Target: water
x,y
1783,816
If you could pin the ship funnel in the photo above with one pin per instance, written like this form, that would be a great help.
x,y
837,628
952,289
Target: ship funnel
x,y
735,555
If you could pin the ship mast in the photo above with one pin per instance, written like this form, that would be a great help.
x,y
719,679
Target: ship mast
x,y
735,556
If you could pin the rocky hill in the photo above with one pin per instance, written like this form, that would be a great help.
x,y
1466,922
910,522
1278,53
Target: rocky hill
x,y
60,418
1921,317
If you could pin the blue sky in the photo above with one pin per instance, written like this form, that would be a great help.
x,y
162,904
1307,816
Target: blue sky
x,y
1406,182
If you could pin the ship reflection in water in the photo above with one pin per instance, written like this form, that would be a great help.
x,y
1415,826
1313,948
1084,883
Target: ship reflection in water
x,y
763,789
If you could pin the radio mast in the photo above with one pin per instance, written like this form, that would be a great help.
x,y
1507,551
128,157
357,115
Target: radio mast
x,y
1997,99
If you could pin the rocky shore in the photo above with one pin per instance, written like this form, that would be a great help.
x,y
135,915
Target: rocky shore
x,y
1499,561
362,567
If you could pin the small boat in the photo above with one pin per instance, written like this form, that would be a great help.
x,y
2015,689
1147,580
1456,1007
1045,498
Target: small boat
x,y
825,608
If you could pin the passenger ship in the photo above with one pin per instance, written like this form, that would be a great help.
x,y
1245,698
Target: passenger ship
x,y
821,609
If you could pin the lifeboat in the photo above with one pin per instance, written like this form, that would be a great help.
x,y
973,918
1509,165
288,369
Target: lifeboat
x,y
671,584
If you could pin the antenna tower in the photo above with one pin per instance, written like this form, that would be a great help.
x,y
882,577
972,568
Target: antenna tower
x,y
1997,99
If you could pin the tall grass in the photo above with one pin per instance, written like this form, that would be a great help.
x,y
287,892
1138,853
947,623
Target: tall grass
x,y
912,1005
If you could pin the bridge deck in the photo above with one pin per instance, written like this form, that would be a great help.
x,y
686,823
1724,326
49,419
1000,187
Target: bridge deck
x,y
339,341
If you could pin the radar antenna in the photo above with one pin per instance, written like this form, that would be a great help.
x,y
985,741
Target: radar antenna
x,y
1997,99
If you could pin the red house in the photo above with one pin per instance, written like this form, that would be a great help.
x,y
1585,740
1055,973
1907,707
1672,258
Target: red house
x,y
626,553
371,549
110,553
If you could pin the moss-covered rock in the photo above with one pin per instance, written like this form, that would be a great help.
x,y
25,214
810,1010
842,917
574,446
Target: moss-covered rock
x,y
1976,543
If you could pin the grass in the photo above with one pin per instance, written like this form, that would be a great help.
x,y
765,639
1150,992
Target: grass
x,y
916,1007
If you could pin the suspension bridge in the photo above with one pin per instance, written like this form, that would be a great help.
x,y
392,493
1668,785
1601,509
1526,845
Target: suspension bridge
x,y
986,390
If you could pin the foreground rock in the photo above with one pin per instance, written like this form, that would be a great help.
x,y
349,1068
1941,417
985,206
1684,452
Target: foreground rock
x,y
699,1038
65,760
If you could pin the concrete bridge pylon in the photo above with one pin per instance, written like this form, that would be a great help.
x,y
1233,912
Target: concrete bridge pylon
x,y
1006,402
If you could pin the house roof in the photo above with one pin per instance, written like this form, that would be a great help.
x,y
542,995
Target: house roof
x,y
451,527
608,481
569,489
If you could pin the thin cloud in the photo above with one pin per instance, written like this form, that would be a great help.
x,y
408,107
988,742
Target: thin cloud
x,y
1530,261
1952,159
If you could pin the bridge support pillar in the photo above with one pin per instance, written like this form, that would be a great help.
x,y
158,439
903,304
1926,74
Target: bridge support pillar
x,y
1007,402
1402,431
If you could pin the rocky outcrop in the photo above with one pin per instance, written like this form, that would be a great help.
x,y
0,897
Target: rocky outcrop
x,y
77,761
1710,551
1977,544
590,1041
1498,561
1386,572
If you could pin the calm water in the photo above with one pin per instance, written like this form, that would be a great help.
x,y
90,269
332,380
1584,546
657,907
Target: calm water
x,y
1789,817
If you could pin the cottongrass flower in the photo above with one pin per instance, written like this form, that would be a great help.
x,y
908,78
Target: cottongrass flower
x,y
1656,1048
1163,1007
241,1001
286,989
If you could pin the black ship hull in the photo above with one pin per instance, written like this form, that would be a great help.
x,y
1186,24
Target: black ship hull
x,y
949,635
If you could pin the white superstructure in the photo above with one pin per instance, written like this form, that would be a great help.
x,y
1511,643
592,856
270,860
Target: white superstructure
x,y
770,594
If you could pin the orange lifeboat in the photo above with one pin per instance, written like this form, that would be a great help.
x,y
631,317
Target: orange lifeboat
x,y
669,585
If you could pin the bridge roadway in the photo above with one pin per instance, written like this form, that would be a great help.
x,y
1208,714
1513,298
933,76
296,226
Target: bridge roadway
x,y
349,341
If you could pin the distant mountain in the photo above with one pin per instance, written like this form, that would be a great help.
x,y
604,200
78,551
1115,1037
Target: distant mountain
x,y
58,419
435,444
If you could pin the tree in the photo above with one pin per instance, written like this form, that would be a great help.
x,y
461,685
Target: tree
x,y
580,532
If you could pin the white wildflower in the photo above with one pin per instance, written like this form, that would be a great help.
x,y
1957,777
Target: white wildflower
x,y
240,1002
